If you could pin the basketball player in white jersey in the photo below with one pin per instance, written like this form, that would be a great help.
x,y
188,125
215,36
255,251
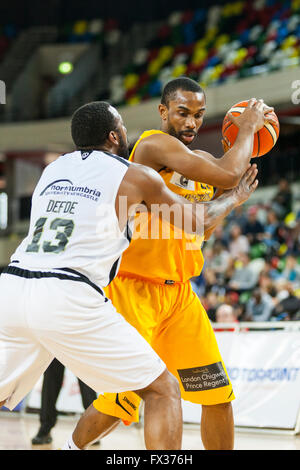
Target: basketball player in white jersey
x,y
51,297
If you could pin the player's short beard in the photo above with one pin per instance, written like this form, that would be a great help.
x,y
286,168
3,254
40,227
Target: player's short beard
x,y
171,131
123,146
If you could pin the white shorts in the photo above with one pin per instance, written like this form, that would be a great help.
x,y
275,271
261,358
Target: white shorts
x,y
67,318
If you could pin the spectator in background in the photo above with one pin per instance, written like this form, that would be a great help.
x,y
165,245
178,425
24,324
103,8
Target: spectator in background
x,y
282,289
219,235
253,229
244,278
283,200
288,308
291,271
221,259
272,293
211,303
239,311
239,243
259,306
270,268
296,238
225,314
236,217
210,279
208,252
284,235
271,228
265,282
232,298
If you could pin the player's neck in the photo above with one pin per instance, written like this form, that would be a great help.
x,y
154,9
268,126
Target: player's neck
x,y
100,148
164,128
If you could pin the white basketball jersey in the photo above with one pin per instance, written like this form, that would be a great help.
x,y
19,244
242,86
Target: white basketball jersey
x,y
73,222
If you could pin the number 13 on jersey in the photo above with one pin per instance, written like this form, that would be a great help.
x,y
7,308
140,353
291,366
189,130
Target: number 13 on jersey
x,y
64,229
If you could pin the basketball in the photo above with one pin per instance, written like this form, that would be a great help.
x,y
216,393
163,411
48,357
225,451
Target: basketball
x,y
264,139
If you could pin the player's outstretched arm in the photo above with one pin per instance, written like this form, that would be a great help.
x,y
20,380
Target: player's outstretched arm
x,y
162,150
217,210
144,185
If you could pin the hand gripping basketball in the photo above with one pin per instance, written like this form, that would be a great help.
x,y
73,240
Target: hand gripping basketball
x,y
257,113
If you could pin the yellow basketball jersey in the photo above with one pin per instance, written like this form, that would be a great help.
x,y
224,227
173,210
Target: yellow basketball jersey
x,y
158,251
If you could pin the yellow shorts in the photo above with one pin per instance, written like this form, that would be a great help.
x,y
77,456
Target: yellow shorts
x,y
172,319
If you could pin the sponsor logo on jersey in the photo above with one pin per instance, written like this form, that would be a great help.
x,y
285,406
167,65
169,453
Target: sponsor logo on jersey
x,y
65,187
197,197
85,154
208,377
182,182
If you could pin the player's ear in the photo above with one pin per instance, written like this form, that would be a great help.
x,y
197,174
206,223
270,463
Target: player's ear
x,y
163,111
113,138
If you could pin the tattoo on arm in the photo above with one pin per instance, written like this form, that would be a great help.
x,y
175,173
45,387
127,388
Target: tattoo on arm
x,y
216,211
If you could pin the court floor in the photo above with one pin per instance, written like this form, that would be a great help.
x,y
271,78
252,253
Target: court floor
x,y
17,430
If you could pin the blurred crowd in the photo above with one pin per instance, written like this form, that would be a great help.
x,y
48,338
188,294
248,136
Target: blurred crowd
x,y
252,263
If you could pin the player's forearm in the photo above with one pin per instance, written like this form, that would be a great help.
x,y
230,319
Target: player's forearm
x,y
209,231
238,157
227,171
202,218
215,212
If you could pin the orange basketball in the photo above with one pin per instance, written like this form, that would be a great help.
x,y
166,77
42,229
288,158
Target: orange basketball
x,y
264,139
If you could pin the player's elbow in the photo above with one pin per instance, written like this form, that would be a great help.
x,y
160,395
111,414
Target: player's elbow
x,y
230,179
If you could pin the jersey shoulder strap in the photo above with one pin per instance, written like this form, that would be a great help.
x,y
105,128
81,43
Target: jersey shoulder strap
x,y
143,136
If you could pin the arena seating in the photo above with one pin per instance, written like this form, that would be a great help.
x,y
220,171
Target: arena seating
x,y
213,46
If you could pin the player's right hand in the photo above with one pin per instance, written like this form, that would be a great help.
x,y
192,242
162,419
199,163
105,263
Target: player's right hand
x,y
255,115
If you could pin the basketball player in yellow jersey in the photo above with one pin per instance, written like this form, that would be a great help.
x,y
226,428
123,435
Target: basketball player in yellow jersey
x,y
152,289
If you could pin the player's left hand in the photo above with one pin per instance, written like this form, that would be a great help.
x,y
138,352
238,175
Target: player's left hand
x,y
246,186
